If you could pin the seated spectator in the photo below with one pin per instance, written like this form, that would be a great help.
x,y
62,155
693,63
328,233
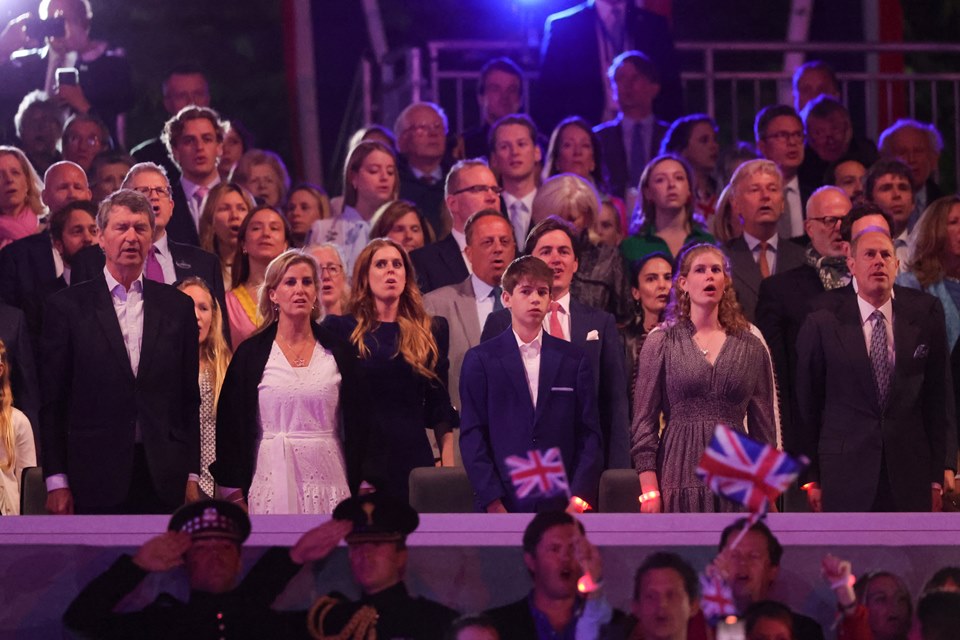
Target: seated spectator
x,y
103,83
402,354
334,279
306,203
769,620
370,180
694,138
263,235
17,449
401,222
507,412
226,207
918,145
280,447
556,553
830,137
633,137
237,140
888,186
651,278
779,136
214,359
20,205
206,538
664,217
377,554
107,172
752,567
39,122
813,79
423,164
264,175
935,265
499,94
84,137
666,601
849,175
601,279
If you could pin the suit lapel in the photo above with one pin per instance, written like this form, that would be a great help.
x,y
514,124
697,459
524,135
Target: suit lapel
x,y
906,339
107,318
749,271
549,365
151,324
512,363
850,335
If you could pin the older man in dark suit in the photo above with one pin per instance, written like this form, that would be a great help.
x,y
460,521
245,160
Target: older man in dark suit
x,y
119,421
872,390
760,252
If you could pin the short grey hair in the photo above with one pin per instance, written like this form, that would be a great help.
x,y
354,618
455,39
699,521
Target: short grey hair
x,y
751,168
133,200
934,138
144,167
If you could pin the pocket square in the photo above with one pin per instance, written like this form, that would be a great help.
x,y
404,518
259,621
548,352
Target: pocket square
x,y
562,389
921,352
593,335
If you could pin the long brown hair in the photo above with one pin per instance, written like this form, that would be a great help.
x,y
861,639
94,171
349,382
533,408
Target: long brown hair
x,y
357,155
931,248
214,351
417,345
729,312
241,261
645,207
208,239
8,438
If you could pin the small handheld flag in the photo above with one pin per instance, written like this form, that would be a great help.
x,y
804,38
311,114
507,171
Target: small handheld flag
x,y
539,473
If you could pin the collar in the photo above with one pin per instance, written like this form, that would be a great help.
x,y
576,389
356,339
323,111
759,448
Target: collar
x,y
190,187
866,309
161,247
460,237
350,213
793,183
436,174
113,283
481,290
395,595
509,199
564,302
538,341
753,243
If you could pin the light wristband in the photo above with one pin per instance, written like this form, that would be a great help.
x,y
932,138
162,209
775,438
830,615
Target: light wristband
x,y
649,495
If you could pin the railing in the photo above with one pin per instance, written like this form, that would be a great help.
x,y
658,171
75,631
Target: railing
x,y
724,80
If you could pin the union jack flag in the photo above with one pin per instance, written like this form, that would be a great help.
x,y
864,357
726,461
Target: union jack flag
x,y
746,471
716,598
540,472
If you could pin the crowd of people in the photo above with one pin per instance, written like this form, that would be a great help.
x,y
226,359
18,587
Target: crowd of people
x,y
187,321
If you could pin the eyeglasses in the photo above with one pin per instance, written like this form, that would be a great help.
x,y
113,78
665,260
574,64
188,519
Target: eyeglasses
x,y
786,136
148,191
827,221
480,188
333,269
90,141
436,127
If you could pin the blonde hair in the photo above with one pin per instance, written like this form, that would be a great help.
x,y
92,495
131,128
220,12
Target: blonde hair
x,y
931,248
34,183
417,345
8,438
751,168
729,313
564,193
271,280
255,158
721,225
214,351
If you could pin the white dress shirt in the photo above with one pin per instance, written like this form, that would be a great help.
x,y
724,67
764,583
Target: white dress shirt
x,y
530,355
59,266
482,291
754,245
461,239
866,309
520,211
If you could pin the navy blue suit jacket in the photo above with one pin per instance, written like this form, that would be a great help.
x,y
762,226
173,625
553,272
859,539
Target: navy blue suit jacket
x,y
498,418
609,373
439,264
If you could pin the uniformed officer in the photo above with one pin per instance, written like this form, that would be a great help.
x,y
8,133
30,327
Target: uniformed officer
x,y
377,551
206,538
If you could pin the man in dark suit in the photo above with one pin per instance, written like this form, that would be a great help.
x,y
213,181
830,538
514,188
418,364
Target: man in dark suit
x,y
593,330
872,390
556,553
778,130
167,261
631,139
786,298
423,162
760,252
499,93
119,423
516,158
470,187
526,390
578,46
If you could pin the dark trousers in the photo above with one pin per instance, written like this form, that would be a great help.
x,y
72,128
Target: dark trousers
x,y
142,498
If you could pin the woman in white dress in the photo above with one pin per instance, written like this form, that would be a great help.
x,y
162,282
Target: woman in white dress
x,y
17,450
282,446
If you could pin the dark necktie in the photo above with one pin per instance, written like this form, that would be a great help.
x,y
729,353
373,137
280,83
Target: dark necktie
x,y
638,154
496,295
879,359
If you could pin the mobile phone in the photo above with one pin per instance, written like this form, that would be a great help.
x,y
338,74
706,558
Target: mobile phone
x,y
67,76
731,629
37,29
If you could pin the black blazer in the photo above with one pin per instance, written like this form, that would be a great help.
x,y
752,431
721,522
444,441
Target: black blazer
x,y
181,227
28,277
439,264
571,80
844,431
609,373
746,272
784,302
514,620
428,198
93,404
238,428
615,153
188,261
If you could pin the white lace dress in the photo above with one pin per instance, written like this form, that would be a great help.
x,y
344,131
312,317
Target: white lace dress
x,y
300,466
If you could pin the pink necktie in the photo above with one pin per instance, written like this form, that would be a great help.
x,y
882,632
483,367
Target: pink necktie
x,y
556,329
153,271
199,195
